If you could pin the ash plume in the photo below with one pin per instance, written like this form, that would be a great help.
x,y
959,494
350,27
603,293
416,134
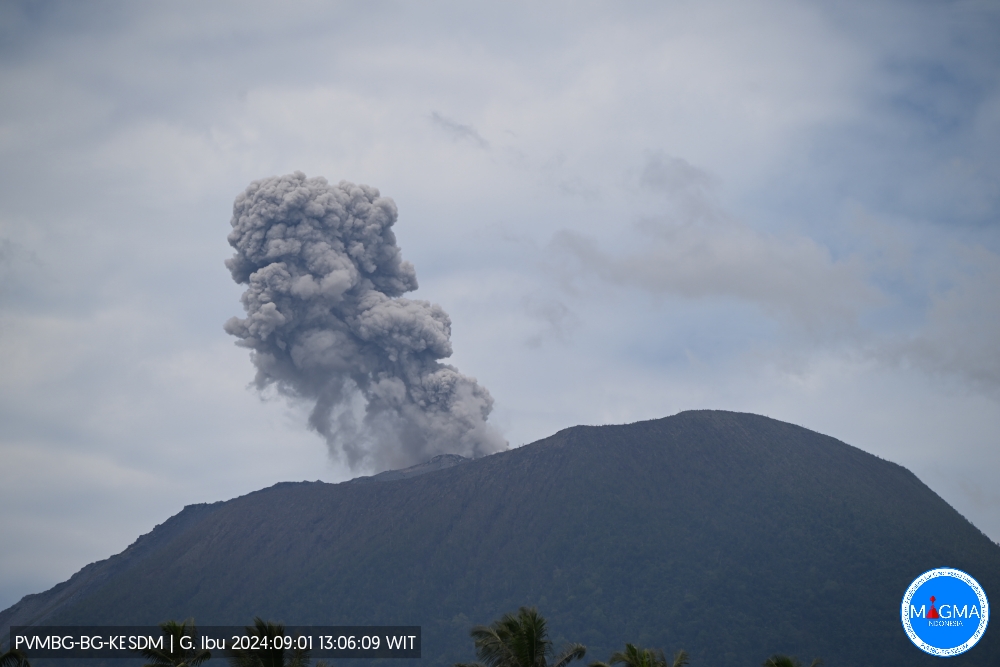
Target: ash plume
x,y
326,323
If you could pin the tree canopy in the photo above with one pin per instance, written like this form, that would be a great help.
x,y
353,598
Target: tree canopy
x,y
269,657
177,655
519,640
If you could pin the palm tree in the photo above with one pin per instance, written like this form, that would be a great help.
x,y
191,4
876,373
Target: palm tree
x,y
271,657
519,640
643,657
13,658
779,660
177,656
634,657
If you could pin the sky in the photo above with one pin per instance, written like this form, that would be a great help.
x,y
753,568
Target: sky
x,y
626,209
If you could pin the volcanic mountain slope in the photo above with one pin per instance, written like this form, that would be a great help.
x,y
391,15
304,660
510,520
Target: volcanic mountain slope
x,y
730,535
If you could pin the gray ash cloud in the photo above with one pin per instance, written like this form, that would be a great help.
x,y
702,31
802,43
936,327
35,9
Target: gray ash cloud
x,y
326,323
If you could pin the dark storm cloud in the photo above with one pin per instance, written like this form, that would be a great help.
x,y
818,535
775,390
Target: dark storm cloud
x,y
326,323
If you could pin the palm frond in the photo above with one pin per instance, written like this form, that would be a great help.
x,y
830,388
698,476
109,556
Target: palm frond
x,y
569,654
175,655
492,648
779,660
13,658
634,656
519,639
273,657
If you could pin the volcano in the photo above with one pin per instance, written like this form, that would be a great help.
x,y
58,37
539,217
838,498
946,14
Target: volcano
x,y
732,536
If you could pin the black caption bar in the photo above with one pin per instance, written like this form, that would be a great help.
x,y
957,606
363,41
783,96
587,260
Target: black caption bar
x,y
320,641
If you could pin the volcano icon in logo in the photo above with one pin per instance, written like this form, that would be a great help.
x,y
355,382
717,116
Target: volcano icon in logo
x,y
945,612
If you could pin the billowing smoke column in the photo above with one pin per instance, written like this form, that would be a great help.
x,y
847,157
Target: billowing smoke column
x,y
325,323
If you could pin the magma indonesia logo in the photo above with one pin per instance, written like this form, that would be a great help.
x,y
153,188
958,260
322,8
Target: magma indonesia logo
x,y
945,612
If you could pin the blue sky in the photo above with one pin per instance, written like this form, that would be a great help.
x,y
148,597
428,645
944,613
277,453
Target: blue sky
x,y
791,209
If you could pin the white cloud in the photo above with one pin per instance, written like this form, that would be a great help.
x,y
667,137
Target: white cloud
x,y
696,250
962,324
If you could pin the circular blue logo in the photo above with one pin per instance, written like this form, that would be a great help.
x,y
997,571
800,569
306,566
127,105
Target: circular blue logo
x,y
945,612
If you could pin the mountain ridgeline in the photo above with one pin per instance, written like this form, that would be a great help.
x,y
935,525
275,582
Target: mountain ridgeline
x,y
730,535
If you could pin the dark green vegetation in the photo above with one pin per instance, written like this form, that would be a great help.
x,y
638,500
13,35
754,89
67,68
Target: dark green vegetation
x,y
733,536
520,640
179,656
12,658
788,661
270,657
634,656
